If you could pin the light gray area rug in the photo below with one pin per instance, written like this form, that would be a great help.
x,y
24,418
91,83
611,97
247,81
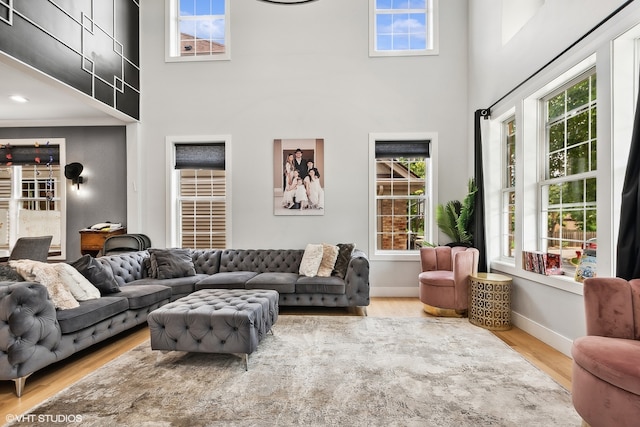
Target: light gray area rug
x,y
327,371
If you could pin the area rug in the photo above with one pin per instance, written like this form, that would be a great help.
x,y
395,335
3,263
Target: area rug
x,y
325,371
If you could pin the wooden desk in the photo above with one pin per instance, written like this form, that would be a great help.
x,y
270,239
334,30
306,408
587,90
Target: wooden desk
x,y
92,241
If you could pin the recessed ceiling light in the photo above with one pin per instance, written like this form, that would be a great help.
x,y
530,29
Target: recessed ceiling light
x,y
18,98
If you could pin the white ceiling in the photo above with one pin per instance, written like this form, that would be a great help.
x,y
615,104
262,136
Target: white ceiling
x,y
51,103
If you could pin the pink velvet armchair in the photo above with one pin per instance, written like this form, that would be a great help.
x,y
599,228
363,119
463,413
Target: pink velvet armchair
x,y
444,280
606,362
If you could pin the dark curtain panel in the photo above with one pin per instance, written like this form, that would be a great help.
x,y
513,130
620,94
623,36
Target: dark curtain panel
x,y
479,239
628,261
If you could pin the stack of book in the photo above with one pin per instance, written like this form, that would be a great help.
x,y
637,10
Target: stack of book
x,y
542,262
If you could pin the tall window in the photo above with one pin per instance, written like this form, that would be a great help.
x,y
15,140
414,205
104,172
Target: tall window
x,y
401,196
569,186
403,27
509,188
31,193
201,210
197,29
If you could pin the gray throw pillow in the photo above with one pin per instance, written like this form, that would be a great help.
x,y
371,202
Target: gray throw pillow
x,y
99,275
171,263
342,262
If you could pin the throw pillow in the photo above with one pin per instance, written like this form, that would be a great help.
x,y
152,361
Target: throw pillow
x,y
46,274
8,274
311,259
344,256
100,276
76,283
329,257
146,267
171,263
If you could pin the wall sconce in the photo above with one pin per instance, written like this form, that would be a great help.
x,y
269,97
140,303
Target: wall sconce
x,y
72,171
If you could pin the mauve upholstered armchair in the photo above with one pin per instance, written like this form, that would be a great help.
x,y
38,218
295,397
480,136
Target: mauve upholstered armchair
x,y
444,280
606,362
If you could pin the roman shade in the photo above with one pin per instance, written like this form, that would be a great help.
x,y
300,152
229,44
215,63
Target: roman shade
x,y
200,156
397,149
14,155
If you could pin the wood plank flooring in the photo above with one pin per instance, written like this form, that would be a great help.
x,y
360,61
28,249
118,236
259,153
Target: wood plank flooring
x,y
49,381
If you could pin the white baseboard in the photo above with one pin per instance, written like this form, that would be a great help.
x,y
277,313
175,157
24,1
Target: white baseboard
x,y
544,334
391,292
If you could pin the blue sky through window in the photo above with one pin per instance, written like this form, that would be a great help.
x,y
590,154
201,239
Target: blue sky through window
x,y
203,19
401,25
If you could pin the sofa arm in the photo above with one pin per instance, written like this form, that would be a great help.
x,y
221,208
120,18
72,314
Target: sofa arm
x,y
28,326
608,307
357,278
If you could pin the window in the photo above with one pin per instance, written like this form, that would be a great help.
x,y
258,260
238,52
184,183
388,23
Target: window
x,y
403,27
508,188
568,190
401,196
31,193
200,189
197,30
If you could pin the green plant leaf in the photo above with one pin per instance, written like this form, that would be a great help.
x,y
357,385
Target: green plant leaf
x,y
447,218
455,218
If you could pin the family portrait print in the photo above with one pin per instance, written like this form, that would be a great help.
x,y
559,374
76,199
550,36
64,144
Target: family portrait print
x,y
298,176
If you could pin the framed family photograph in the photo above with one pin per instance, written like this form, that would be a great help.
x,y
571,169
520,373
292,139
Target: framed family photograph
x,y
298,178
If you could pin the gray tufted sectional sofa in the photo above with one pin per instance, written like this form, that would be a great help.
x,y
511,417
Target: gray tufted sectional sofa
x,y
33,334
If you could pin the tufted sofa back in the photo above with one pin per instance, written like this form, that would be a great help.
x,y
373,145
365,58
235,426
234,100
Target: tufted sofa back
x,y
130,266
206,261
126,266
261,260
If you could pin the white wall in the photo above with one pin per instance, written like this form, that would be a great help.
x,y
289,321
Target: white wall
x,y
552,308
303,72
496,68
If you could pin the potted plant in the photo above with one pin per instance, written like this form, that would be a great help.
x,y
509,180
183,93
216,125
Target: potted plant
x,y
455,218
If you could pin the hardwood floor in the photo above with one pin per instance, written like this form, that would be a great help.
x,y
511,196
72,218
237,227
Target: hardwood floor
x,y
49,381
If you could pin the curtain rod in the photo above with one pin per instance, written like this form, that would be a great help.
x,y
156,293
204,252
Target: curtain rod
x,y
584,36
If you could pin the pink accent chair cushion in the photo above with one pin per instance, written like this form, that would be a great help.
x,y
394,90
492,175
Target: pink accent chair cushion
x,y
444,280
606,362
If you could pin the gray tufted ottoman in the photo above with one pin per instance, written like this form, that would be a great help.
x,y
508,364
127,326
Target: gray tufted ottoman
x,y
215,321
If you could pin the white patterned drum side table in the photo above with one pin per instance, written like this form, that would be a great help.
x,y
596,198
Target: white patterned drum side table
x,y
490,301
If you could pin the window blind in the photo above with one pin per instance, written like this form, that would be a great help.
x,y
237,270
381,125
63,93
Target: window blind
x,y
200,156
202,208
29,154
397,149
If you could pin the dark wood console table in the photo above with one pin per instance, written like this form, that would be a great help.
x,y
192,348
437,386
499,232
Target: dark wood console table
x,y
92,241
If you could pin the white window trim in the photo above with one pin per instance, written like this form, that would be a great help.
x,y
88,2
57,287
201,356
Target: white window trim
x,y
617,68
505,188
173,218
170,29
543,180
432,15
431,193
529,112
62,189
